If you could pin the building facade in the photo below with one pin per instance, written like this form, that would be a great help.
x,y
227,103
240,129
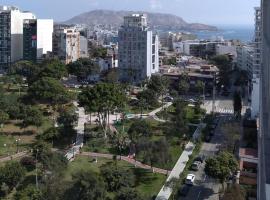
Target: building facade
x,y
257,61
138,50
264,125
11,35
66,43
37,38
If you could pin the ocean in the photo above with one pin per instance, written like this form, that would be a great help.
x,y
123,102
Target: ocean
x,y
244,33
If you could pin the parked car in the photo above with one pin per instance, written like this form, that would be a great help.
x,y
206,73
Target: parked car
x,y
207,138
168,99
190,179
196,165
200,158
184,190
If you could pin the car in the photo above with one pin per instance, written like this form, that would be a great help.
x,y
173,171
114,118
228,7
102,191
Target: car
x,y
168,99
212,133
191,101
196,165
190,179
184,190
200,158
207,138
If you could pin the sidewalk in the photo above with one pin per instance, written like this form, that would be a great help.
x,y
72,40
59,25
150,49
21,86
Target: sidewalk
x,y
82,119
14,156
179,167
127,159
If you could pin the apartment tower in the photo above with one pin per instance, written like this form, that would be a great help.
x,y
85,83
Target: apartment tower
x,y
138,50
11,35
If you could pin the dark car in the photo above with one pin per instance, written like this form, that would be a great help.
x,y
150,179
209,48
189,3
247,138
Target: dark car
x,y
200,158
184,190
207,138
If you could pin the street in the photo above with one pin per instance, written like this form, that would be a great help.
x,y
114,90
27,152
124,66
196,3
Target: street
x,y
206,187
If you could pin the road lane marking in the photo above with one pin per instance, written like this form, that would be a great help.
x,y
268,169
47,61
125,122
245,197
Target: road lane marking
x,y
199,195
204,179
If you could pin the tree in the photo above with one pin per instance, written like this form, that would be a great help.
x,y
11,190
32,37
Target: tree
x,y
128,194
147,98
30,192
87,186
82,68
183,85
67,118
49,90
11,174
237,104
117,177
3,118
112,76
179,122
221,166
224,64
121,140
53,68
160,85
138,129
199,87
32,116
103,98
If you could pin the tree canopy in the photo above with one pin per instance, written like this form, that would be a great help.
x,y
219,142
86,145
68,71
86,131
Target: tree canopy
x,y
221,166
82,68
103,98
49,90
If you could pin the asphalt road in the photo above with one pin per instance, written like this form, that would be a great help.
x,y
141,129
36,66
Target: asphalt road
x,y
206,188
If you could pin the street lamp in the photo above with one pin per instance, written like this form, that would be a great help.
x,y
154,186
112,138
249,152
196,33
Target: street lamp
x,y
36,170
6,146
17,144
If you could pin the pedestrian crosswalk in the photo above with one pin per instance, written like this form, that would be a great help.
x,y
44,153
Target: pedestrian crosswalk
x,y
224,110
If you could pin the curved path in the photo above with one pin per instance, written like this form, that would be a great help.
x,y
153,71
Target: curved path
x,y
127,159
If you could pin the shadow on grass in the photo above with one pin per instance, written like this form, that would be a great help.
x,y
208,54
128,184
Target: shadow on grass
x,y
143,176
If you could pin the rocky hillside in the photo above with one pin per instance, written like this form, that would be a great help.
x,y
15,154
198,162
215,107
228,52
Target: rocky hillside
x,y
155,20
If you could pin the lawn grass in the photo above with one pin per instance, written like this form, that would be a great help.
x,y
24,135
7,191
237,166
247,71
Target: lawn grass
x,y
146,182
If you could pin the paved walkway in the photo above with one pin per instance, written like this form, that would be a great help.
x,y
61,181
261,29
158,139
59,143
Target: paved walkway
x,y
127,159
82,119
14,156
179,167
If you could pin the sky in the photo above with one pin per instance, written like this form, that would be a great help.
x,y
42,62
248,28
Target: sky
x,y
212,12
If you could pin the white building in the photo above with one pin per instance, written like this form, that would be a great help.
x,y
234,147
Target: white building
x,y
222,49
37,38
66,44
245,58
138,50
11,40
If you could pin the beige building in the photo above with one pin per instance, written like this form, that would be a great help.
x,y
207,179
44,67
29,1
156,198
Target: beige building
x,y
66,44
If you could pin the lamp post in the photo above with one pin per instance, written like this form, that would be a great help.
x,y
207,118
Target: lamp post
x,y
17,145
6,146
36,170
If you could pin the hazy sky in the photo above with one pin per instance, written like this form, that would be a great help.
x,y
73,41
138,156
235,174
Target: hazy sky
x,y
203,11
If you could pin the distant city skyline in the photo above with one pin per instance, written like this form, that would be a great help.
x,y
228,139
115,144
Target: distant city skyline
x,y
230,12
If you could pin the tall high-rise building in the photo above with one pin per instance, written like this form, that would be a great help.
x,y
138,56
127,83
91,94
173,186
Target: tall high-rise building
x,y
257,61
11,34
66,43
138,50
37,38
264,133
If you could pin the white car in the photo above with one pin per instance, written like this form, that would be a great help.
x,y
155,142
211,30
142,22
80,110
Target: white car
x,y
190,179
